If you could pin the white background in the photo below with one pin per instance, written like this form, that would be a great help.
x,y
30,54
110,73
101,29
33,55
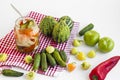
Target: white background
x,y
104,14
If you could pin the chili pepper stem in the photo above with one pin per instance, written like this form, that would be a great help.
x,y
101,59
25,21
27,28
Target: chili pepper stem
x,y
95,77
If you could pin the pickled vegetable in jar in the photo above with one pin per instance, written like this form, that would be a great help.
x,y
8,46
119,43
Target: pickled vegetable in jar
x,y
26,33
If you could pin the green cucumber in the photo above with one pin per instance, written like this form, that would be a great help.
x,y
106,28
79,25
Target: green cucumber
x,y
51,60
24,26
27,24
58,59
37,60
63,55
12,73
44,64
85,29
31,23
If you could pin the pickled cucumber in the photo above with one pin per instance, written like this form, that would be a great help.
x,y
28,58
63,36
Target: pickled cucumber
x,y
51,60
37,60
58,59
12,73
63,55
24,26
44,64
85,29
31,23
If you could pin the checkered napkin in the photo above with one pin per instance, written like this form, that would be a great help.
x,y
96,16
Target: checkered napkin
x,y
7,45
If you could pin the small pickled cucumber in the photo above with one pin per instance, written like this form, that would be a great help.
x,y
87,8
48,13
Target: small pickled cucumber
x,y
58,59
73,51
50,59
31,23
44,64
3,57
12,73
28,59
81,56
37,59
63,55
30,75
85,65
85,29
91,54
25,25
50,49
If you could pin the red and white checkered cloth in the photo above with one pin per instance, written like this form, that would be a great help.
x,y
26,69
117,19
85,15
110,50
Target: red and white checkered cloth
x,y
7,45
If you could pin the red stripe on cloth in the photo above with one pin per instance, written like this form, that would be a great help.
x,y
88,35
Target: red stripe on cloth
x,y
9,40
16,58
47,72
15,62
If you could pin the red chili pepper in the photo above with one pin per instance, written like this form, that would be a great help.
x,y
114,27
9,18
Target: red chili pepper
x,y
100,71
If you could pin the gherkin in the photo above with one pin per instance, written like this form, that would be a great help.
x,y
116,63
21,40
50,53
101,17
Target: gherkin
x,y
46,25
68,21
61,32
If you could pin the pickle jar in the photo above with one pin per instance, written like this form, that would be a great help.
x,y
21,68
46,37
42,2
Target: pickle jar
x,y
26,33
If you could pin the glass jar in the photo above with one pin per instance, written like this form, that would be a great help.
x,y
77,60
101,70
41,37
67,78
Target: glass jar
x,y
26,33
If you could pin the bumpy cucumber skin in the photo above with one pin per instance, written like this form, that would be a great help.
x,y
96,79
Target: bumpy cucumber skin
x,y
58,59
85,29
44,64
12,73
51,60
63,55
37,60
68,21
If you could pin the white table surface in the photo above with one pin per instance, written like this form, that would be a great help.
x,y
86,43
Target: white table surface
x,y
104,14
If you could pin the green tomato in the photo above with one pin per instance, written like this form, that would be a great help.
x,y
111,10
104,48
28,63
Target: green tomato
x,y
73,51
30,75
91,54
85,65
3,57
105,44
76,42
91,37
28,59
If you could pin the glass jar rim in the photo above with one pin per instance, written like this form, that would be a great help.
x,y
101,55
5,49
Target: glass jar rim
x,y
22,18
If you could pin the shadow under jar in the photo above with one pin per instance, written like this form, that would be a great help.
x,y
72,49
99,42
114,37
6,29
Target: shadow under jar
x,y
26,33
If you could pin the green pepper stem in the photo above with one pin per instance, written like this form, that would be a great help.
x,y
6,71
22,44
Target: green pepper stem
x,y
94,77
